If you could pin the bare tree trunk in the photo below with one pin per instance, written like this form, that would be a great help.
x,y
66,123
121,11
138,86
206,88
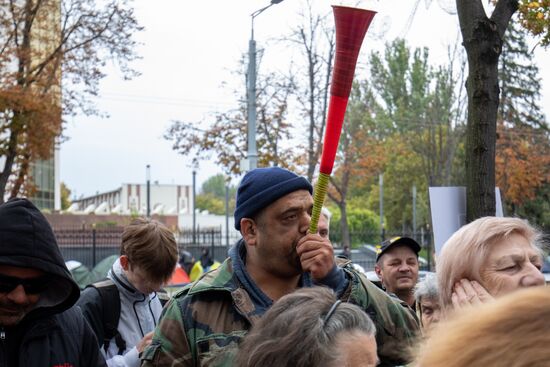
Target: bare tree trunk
x,y
342,190
324,104
482,39
11,153
21,176
340,200
311,157
313,95
346,240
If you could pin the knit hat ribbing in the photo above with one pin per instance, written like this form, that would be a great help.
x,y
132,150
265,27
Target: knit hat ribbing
x,y
263,186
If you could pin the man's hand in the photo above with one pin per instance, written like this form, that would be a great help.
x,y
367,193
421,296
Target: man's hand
x,y
468,293
316,255
145,342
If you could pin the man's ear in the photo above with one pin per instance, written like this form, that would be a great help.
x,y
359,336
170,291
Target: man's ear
x,y
124,262
378,271
249,231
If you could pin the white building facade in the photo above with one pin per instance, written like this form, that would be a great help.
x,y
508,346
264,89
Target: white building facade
x,y
132,199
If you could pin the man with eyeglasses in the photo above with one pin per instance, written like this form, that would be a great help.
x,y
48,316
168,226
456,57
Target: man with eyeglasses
x,y
38,324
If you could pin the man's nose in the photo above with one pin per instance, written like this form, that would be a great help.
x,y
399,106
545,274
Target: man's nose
x,y
19,296
404,267
304,222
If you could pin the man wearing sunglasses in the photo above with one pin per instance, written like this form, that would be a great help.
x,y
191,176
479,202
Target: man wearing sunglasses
x,y
38,324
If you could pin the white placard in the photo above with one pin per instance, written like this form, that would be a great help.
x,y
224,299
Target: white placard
x,y
448,210
498,203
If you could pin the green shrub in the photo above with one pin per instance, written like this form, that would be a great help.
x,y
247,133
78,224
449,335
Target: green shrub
x,y
363,224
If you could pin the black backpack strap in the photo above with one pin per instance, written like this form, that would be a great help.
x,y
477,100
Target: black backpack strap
x,y
110,299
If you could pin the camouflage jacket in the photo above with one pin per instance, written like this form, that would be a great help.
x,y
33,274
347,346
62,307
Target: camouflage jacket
x,y
203,323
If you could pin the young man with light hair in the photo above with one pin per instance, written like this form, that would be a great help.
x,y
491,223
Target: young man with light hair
x,y
148,256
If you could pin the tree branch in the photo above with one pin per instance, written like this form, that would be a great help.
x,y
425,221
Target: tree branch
x,y
39,67
469,11
503,13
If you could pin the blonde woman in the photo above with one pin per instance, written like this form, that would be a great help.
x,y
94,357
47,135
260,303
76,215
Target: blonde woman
x,y
488,258
513,331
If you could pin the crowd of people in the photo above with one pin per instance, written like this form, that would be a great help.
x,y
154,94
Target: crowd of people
x,y
281,298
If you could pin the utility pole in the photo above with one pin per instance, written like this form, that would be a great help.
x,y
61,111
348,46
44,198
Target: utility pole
x,y
148,177
414,211
252,152
381,184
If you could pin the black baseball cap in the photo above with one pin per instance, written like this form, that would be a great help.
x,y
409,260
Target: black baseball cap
x,y
396,241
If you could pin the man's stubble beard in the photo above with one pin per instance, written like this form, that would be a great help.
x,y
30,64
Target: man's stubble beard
x,y
294,259
12,318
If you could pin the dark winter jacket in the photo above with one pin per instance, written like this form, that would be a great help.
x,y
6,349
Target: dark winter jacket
x,y
53,333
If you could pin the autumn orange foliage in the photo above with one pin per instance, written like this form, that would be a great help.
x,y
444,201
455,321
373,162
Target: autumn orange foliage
x,y
522,162
535,16
43,43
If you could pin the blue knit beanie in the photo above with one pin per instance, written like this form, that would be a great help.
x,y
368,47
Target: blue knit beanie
x,y
263,186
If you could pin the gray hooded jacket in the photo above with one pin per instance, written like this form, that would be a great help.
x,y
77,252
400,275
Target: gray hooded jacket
x,y
139,314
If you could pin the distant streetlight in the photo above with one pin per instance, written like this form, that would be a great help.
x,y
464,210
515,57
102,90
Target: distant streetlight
x,y
252,153
148,178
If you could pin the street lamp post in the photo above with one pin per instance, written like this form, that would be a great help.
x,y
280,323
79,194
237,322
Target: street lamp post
x,y
148,178
252,153
414,212
381,184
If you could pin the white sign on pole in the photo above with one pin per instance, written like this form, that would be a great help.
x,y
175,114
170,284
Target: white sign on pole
x,y
498,203
448,209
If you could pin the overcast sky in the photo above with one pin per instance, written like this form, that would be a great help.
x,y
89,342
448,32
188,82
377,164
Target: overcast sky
x,y
189,48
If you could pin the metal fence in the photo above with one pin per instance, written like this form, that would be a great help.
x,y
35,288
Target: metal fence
x,y
88,245
207,236
91,245
213,238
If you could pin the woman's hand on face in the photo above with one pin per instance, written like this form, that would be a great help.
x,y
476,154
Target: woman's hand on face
x,y
468,293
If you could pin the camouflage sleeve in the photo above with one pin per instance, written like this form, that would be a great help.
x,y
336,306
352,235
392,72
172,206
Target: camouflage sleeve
x,y
396,328
170,346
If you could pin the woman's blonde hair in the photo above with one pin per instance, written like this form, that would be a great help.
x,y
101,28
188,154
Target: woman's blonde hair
x,y
465,252
513,331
